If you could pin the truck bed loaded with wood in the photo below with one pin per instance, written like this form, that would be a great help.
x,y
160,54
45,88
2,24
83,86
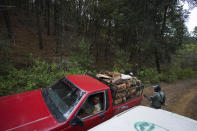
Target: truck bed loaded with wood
x,y
123,87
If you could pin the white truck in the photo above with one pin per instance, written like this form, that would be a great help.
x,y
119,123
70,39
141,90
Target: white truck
x,y
143,118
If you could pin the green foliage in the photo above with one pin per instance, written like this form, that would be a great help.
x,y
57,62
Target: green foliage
x,y
195,32
122,63
4,45
184,66
117,68
4,56
150,75
39,75
81,57
186,73
187,56
168,76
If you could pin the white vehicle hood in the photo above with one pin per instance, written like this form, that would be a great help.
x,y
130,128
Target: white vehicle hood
x,y
143,118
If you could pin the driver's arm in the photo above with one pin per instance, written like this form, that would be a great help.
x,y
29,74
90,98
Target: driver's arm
x,y
97,108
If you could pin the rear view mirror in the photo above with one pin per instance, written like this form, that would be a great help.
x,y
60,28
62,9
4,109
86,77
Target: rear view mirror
x,y
76,121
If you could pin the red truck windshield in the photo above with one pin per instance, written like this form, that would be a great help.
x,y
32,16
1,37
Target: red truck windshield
x,y
64,96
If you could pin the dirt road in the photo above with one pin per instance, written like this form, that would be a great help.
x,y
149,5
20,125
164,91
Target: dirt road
x,y
181,97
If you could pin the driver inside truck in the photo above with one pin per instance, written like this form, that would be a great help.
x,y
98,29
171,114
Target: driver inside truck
x,y
97,104
91,106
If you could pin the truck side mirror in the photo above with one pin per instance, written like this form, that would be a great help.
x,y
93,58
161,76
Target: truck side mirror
x,y
76,121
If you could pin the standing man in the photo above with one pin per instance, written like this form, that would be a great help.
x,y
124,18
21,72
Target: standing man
x,y
158,98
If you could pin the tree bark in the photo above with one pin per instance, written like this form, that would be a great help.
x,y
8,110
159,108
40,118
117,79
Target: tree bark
x,y
48,17
8,22
167,55
60,27
157,60
164,21
55,17
39,30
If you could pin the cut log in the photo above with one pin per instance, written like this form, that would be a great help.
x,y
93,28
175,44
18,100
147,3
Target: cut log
x,y
124,99
132,90
121,86
117,78
128,83
118,101
118,82
103,76
113,74
108,80
109,74
120,94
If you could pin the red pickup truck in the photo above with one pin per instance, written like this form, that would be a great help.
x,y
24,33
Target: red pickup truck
x,y
63,105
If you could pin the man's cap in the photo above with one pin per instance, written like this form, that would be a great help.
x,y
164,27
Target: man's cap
x,y
156,86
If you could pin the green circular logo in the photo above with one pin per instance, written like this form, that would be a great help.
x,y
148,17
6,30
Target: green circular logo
x,y
147,126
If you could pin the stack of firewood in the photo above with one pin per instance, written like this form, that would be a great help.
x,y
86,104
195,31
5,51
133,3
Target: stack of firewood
x,y
123,87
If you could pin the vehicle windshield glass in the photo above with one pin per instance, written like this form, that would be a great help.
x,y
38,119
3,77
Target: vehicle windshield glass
x,y
65,96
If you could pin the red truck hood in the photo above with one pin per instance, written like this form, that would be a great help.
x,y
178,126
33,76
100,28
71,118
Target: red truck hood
x,y
25,111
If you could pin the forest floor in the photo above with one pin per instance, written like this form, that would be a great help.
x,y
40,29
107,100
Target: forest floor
x,y
181,97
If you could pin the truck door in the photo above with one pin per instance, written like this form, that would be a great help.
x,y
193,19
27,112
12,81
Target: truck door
x,y
94,110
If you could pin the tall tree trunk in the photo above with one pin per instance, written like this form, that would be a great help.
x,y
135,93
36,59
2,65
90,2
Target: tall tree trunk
x,y
27,7
45,13
164,21
157,60
32,5
55,17
41,7
48,17
63,12
8,22
60,27
167,55
19,3
39,30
